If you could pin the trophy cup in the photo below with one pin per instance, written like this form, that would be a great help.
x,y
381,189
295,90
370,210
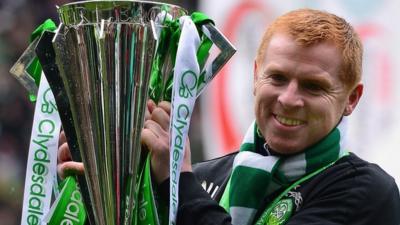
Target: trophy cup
x,y
98,64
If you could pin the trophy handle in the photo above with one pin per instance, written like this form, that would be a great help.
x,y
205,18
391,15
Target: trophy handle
x,y
19,68
46,55
227,50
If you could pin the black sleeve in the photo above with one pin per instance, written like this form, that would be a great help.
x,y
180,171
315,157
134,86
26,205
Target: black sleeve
x,y
195,204
362,196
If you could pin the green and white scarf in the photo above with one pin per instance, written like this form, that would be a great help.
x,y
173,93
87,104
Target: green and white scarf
x,y
255,177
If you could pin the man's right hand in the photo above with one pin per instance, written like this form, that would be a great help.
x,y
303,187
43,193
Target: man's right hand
x,y
155,136
65,165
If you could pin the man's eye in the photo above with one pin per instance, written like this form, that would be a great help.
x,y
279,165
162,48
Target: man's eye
x,y
313,88
278,78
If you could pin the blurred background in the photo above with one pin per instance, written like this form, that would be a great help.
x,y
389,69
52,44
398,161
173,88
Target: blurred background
x,y
225,109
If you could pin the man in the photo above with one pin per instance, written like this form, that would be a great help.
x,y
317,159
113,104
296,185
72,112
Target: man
x,y
293,166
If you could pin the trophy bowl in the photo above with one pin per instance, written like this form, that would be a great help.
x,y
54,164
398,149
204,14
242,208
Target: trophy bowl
x,y
103,52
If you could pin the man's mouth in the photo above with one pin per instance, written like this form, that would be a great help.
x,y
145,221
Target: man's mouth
x,y
288,121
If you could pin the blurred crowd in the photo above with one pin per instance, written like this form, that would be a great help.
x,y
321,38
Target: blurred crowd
x,y
18,18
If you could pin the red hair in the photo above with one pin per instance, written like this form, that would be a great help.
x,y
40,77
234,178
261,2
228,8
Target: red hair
x,y
309,27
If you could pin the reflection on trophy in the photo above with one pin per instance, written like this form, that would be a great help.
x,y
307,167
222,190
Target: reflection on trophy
x,y
98,65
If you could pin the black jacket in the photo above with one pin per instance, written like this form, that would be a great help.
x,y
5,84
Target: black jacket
x,y
352,191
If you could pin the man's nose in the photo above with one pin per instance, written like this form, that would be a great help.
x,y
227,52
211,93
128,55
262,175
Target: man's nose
x,y
290,96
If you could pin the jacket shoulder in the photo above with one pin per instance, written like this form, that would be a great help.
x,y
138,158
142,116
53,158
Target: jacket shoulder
x,y
352,191
214,173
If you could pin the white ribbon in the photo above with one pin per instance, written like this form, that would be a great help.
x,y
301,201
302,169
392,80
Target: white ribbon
x,y
186,74
42,157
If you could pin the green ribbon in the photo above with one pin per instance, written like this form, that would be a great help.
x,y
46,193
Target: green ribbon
x,y
35,69
202,53
166,48
151,209
168,45
68,207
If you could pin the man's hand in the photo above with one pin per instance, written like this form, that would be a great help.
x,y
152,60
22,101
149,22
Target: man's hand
x,y
65,165
155,136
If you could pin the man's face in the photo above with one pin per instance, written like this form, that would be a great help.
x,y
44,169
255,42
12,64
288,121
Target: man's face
x,y
299,97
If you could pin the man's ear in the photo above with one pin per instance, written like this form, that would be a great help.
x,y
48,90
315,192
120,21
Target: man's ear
x,y
353,99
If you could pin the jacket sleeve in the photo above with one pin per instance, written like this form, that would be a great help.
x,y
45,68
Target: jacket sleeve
x,y
195,205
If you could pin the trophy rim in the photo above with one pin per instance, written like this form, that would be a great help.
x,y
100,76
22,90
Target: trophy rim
x,y
124,1
71,14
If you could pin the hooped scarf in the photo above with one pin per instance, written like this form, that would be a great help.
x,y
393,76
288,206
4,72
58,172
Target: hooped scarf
x,y
255,177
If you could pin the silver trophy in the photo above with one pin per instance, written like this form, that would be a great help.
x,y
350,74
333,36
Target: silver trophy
x,y
98,64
